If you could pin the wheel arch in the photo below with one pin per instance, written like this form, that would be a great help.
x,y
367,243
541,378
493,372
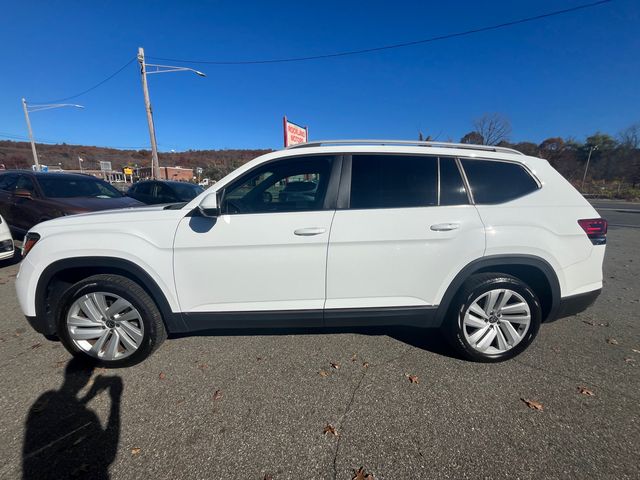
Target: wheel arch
x,y
533,270
60,275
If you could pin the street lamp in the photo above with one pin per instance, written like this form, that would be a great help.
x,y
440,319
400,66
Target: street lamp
x,y
38,108
155,167
584,177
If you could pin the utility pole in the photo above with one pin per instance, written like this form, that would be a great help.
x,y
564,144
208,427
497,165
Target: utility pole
x,y
584,177
155,167
33,144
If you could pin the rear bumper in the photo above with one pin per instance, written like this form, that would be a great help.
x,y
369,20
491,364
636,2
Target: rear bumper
x,y
575,304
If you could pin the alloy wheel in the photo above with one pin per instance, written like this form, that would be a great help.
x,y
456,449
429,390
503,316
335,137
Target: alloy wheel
x,y
496,321
105,326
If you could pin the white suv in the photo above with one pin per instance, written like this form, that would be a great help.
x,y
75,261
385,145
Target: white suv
x,y
484,242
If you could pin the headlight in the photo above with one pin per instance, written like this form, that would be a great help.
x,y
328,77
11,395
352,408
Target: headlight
x,y
30,239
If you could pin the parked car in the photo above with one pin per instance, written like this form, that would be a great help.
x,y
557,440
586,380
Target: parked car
x,y
483,242
298,190
6,241
28,198
154,192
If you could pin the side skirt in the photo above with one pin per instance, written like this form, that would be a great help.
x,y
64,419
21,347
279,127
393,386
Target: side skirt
x,y
348,317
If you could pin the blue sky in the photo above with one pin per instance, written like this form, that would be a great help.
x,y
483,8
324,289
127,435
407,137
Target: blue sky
x,y
569,76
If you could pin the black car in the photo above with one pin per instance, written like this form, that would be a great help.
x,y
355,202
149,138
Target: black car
x,y
164,191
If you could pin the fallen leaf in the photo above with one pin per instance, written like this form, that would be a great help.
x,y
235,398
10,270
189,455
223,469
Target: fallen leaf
x,y
612,341
323,373
268,477
630,360
136,451
595,324
330,429
335,365
365,364
412,378
217,395
36,345
353,357
635,351
532,404
585,391
360,475
162,376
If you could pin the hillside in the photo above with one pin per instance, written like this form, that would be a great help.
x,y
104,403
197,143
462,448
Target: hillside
x,y
214,162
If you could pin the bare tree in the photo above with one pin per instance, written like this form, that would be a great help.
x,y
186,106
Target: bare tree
x,y
493,128
630,136
473,137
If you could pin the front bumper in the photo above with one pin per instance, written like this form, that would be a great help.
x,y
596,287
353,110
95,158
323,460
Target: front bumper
x,y
576,303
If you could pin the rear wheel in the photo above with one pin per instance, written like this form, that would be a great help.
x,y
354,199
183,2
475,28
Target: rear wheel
x,y
494,317
110,320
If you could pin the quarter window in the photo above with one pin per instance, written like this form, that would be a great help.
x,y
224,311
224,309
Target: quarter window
x,y
393,181
494,182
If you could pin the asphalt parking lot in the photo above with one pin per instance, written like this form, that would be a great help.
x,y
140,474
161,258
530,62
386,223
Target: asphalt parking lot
x,y
254,405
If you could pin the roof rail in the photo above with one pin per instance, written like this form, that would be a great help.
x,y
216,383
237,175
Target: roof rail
x,y
409,143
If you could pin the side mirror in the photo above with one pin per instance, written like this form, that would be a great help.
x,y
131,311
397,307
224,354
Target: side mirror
x,y
22,193
209,206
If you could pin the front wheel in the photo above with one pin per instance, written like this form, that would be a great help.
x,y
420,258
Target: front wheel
x,y
494,317
110,320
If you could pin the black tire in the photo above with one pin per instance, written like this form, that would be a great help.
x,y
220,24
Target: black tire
x,y
154,329
473,288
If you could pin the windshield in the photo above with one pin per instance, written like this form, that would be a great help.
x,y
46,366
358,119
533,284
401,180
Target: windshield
x,y
187,191
69,187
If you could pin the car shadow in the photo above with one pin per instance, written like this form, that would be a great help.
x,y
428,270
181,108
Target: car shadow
x,y
63,437
430,339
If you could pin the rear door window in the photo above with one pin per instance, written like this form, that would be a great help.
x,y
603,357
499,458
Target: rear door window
x,y
393,181
493,182
452,189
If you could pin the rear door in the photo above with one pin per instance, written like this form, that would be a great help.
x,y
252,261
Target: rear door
x,y
406,227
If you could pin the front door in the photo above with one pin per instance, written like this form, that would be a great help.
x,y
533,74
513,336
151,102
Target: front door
x,y
406,230
266,253
27,212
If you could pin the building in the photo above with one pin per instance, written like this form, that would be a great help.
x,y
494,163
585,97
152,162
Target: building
x,y
168,173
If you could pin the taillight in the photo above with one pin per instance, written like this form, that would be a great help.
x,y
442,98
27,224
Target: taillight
x,y
30,239
596,229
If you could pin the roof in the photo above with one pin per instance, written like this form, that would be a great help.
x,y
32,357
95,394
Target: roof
x,y
47,174
177,182
406,143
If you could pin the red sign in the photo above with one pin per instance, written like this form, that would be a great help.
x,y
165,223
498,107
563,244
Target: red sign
x,y
294,134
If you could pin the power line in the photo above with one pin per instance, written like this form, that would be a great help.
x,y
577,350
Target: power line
x,y
390,47
93,87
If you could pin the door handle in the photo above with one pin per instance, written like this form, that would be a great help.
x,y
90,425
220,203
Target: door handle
x,y
308,232
445,227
